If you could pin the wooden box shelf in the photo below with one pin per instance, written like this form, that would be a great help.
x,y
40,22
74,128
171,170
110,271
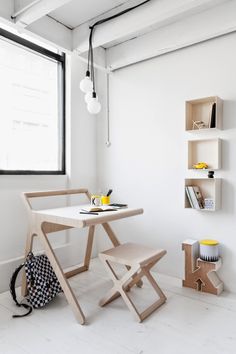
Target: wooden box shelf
x,y
207,150
209,187
202,110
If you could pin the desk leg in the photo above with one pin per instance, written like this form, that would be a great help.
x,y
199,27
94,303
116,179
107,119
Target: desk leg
x,y
116,243
111,234
89,246
28,248
60,275
87,257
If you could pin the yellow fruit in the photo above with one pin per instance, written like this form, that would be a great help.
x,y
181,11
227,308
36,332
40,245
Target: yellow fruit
x,y
200,165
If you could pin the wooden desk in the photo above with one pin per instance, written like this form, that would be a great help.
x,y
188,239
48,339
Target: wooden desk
x,y
43,222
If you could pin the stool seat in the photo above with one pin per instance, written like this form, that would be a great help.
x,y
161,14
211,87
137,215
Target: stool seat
x,y
130,253
138,260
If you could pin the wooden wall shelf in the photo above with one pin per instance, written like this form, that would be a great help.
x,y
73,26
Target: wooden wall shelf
x,y
201,110
209,187
207,150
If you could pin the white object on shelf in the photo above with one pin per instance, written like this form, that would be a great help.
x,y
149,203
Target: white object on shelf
x,y
209,250
209,203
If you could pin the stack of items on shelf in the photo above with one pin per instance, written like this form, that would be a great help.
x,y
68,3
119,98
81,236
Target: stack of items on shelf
x,y
195,197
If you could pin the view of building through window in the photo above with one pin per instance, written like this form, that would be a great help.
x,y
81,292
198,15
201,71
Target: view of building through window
x,y
31,110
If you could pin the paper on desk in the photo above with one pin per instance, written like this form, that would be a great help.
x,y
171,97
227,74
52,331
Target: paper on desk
x,y
99,209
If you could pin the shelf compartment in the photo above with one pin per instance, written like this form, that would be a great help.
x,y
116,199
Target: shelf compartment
x,y
207,150
200,110
209,187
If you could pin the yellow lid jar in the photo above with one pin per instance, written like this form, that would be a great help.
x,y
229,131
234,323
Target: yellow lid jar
x,y
209,250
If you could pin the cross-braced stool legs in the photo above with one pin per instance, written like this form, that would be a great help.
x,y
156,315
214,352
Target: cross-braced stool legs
x,y
132,277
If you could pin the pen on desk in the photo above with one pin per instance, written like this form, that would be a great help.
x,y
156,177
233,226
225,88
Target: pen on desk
x,y
109,192
88,212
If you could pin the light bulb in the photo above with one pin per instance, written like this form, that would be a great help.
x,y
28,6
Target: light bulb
x,y
94,106
89,96
86,85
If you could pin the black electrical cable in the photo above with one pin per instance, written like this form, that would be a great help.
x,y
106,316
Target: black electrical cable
x,y
91,59
90,52
118,14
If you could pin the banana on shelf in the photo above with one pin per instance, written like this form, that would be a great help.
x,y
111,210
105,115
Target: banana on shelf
x,y
201,166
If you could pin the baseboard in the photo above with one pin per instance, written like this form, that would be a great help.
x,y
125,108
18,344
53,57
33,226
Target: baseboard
x,y
7,268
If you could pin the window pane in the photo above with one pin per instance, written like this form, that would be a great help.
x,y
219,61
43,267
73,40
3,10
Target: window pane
x,y
31,117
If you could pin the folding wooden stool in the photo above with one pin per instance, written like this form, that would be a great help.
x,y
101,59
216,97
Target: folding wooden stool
x,y
138,260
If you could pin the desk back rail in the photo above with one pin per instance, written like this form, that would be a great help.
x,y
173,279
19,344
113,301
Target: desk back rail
x,y
56,192
39,194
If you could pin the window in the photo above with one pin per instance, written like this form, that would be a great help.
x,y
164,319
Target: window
x,y
32,108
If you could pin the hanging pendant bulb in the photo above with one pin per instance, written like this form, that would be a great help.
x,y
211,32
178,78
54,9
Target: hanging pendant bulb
x,y
94,107
86,84
89,97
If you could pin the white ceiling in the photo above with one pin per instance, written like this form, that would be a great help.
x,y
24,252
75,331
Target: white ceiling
x,y
155,16
77,12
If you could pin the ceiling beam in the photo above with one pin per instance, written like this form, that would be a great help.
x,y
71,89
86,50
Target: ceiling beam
x,y
153,15
52,31
45,30
39,9
195,29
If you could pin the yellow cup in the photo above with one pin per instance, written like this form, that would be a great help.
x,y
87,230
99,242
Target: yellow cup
x,y
105,200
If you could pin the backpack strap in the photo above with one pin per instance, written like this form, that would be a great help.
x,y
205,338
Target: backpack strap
x,y
13,292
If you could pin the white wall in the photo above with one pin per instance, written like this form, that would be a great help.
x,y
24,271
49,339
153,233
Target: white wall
x,y
82,159
81,172
147,161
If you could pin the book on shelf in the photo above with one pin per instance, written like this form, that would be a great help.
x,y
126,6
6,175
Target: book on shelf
x,y
195,197
189,198
199,196
212,123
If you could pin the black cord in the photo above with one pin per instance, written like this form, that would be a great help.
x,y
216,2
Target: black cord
x,y
91,56
90,52
118,14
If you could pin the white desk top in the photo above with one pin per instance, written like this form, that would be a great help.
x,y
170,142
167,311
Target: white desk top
x,y
70,215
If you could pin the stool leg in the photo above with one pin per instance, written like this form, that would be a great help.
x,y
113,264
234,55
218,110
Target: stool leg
x,y
130,304
154,285
119,285
109,297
